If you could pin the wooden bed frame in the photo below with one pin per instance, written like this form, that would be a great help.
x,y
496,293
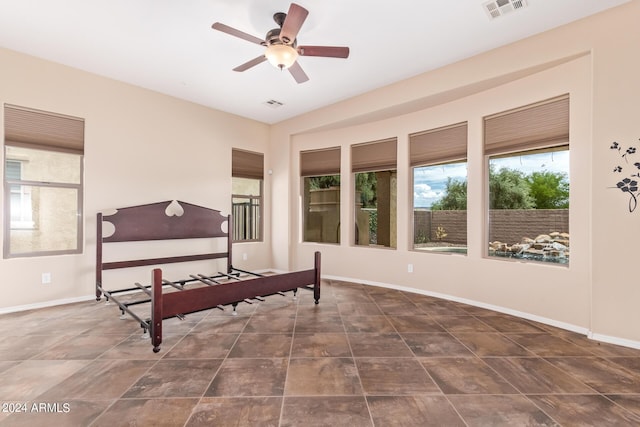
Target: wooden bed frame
x,y
179,220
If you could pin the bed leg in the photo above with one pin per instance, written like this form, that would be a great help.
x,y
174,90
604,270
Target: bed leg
x,y
234,312
155,326
316,285
98,290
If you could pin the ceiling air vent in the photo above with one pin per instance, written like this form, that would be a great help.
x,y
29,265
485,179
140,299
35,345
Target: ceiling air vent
x,y
273,103
498,8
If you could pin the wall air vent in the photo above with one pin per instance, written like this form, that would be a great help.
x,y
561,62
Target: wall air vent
x,y
273,103
496,8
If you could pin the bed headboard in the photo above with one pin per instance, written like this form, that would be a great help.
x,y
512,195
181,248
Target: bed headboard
x,y
164,221
167,220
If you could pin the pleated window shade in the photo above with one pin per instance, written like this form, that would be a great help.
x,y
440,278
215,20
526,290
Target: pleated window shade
x,y
247,164
536,126
374,156
24,127
320,162
442,145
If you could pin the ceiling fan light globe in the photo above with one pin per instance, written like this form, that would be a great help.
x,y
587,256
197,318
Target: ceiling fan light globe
x,y
281,55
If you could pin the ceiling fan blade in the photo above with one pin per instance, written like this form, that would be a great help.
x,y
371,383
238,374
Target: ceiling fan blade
x,y
298,73
326,51
237,33
292,23
255,61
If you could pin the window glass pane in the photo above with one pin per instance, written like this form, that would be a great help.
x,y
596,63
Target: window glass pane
x,y
246,208
13,170
375,208
246,186
529,205
321,213
46,166
21,211
19,199
54,225
440,208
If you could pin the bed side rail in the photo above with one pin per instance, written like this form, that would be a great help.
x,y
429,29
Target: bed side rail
x,y
189,300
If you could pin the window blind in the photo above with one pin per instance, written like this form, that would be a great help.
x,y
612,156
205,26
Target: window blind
x,y
247,164
536,126
320,162
30,128
441,145
374,156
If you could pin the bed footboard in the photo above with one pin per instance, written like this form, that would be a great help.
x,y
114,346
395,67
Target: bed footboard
x,y
166,305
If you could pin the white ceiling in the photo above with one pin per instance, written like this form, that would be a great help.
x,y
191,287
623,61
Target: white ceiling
x,y
168,45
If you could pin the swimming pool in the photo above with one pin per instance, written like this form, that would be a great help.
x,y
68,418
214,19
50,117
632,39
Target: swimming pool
x,y
446,249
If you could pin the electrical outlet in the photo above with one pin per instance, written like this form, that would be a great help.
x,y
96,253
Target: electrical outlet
x,y
244,257
409,268
46,278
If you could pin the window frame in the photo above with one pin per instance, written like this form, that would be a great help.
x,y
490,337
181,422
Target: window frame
x,y
444,145
247,164
44,132
43,184
525,130
260,199
375,157
318,163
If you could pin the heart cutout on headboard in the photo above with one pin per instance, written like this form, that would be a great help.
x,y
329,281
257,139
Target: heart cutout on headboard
x,y
174,209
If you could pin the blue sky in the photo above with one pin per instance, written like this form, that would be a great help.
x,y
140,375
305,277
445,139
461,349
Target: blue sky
x,y
430,182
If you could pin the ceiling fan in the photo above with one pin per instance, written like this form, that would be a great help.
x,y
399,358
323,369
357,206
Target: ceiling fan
x,y
282,49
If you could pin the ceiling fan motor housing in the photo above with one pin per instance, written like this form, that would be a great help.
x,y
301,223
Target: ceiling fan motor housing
x,y
273,37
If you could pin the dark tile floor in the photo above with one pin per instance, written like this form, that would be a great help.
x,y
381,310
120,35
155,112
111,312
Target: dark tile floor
x,y
364,356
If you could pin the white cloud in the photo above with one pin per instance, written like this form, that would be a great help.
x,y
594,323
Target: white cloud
x,y
424,191
430,182
555,161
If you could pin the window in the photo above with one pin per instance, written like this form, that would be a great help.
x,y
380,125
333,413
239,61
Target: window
x,y
246,195
42,182
528,169
320,172
374,167
438,159
19,197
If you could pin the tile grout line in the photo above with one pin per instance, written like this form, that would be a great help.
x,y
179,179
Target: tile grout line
x,y
353,358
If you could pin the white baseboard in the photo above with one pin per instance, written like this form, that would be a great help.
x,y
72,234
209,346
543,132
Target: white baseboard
x,y
45,304
551,322
614,340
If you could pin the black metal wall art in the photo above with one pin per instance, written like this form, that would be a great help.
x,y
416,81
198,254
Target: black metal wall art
x,y
629,184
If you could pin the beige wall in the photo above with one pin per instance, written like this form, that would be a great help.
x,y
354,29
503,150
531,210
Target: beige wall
x,y
503,284
594,60
140,147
